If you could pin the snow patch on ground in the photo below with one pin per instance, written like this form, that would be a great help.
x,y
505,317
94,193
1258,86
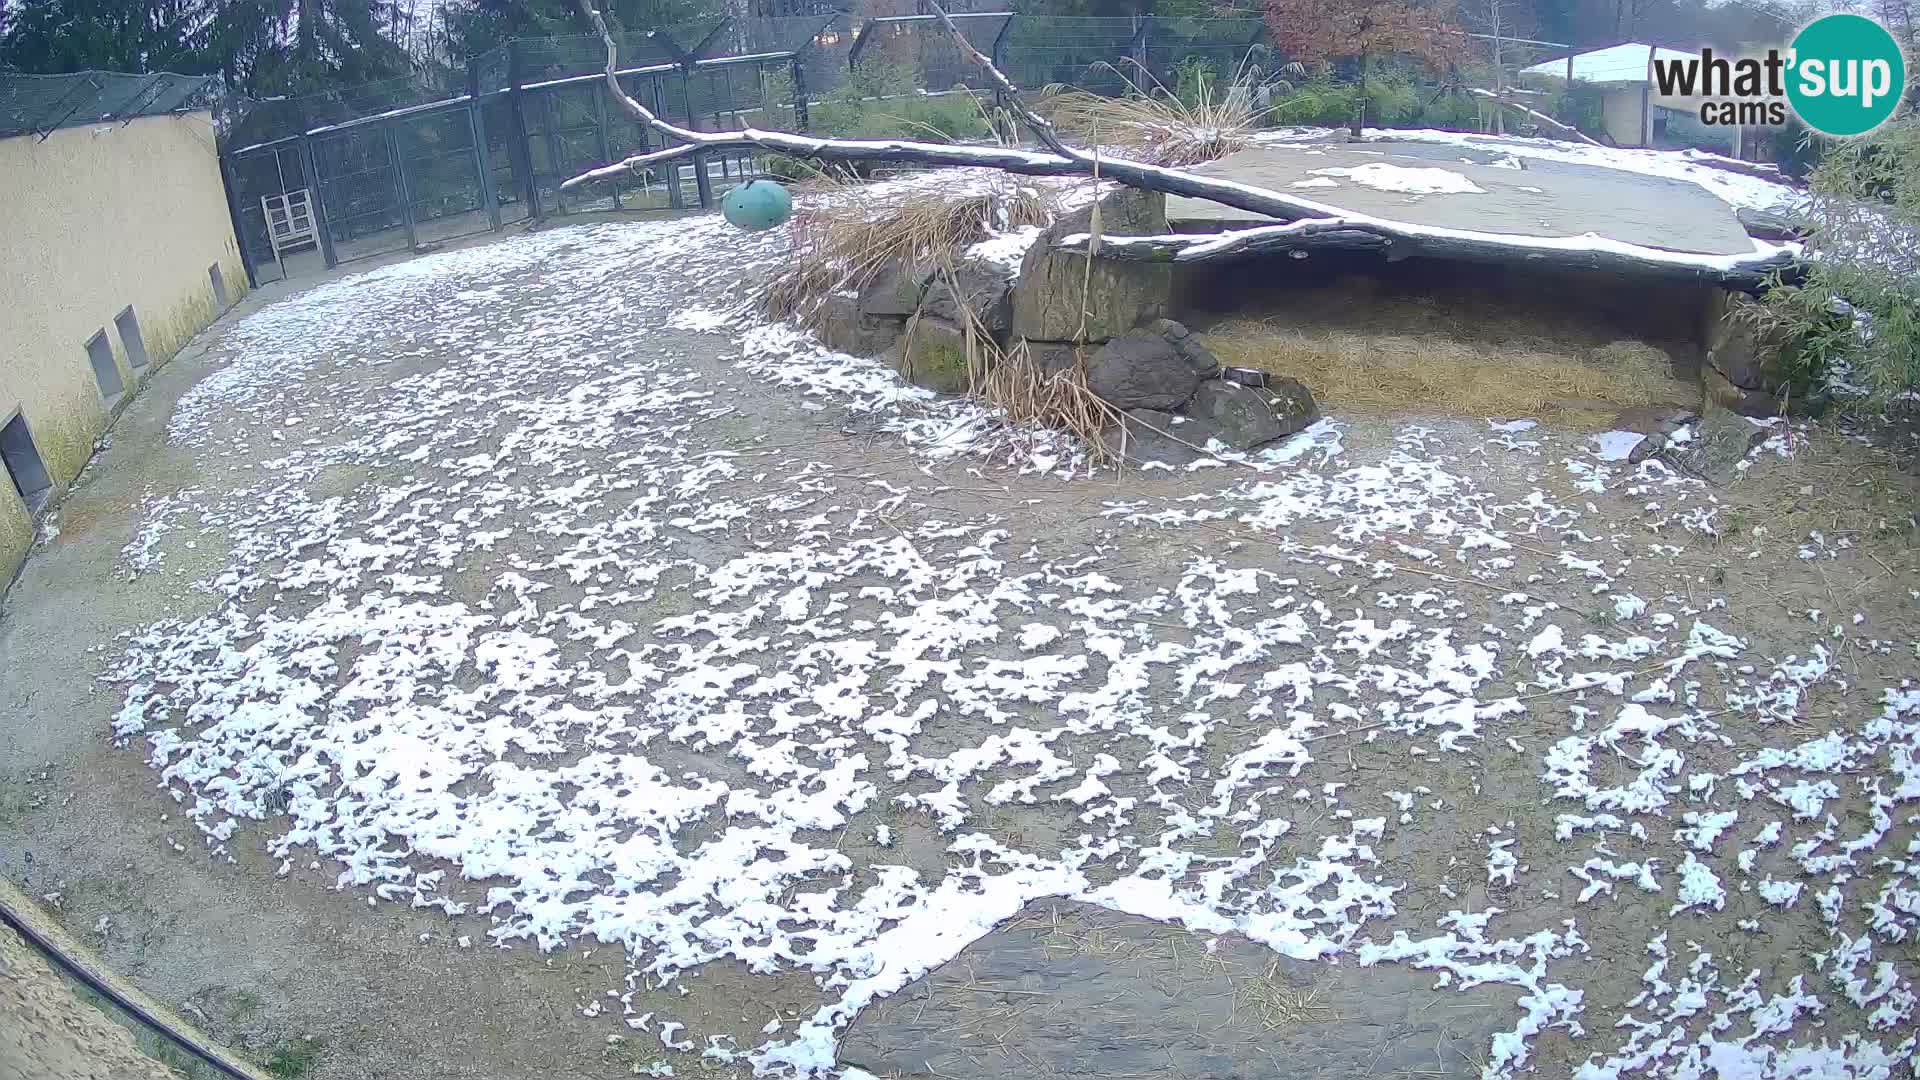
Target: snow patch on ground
x,y
580,653
1412,180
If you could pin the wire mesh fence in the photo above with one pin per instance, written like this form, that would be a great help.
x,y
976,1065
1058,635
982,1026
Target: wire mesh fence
x,y
407,163
42,104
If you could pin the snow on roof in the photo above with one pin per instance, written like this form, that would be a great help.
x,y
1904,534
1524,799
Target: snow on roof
x,y
1618,63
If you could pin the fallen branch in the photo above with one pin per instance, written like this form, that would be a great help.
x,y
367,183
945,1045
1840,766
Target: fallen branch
x,y
1066,161
1059,160
1540,118
1304,223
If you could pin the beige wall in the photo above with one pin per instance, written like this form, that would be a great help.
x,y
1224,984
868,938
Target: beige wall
x,y
1623,108
93,219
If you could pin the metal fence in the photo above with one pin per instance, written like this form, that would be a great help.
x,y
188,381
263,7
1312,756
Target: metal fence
x,y
404,164
407,162
42,104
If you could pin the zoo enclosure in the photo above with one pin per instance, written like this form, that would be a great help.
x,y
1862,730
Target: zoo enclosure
x,y
405,163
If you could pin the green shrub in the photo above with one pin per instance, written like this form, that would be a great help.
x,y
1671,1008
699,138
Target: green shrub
x,y
1392,97
1865,217
881,100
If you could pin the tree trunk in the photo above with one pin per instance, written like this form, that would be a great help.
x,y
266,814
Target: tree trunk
x,y
1360,112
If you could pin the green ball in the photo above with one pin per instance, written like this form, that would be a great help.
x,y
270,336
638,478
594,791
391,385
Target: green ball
x,y
756,205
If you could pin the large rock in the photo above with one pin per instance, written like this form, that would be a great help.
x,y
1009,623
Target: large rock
x,y
1053,357
895,290
1066,989
1145,435
1244,417
983,287
933,353
843,327
1054,286
1717,445
1766,225
1148,370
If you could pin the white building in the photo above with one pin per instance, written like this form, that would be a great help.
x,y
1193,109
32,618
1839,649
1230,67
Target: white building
x,y
1633,111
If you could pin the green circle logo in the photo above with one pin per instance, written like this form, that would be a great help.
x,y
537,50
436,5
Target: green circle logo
x,y
1846,75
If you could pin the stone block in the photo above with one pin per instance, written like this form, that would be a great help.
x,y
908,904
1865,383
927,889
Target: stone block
x,y
844,328
1145,370
1054,287
1245,418
933,353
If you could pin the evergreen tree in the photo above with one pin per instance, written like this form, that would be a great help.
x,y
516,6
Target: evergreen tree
x,y
271,47
54,36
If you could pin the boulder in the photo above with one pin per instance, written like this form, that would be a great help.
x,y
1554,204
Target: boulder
x,y
844,328
1053,286
895,290
1145,435
1648,446
1053,357
1067,989
1245,417
1766,225
1718,443
933,353
983,287
1146,370
1186,344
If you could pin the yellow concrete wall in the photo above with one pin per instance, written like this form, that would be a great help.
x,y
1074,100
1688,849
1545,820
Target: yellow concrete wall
x,y
1622,110
91,220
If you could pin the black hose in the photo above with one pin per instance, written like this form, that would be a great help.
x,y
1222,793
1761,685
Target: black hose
x,y
99,986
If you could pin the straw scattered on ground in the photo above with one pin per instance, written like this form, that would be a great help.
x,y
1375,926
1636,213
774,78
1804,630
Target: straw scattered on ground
x,y
1433,373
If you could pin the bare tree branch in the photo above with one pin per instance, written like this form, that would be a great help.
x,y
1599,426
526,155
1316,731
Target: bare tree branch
x,y
1540,118
1041,127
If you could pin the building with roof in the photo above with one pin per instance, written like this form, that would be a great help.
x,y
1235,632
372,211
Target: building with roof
x,y
118,248
1633,112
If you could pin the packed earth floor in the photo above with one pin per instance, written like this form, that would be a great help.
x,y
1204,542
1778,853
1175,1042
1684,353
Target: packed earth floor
x,y
520,661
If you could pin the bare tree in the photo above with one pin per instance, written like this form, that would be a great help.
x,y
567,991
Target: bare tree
x,y
1304,224
1494,18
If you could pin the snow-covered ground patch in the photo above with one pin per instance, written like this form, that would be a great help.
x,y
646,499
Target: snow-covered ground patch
x,y
584,607
1738,190
1407,179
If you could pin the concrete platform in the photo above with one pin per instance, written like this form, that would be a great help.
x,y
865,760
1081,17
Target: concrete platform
x,y
1536,198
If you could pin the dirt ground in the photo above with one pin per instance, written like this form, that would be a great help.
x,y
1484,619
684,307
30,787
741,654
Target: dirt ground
x,y
389,576
46,1033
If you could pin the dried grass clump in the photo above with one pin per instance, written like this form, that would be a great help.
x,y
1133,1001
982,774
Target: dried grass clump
x,y
1156,125
1436,374
841,243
